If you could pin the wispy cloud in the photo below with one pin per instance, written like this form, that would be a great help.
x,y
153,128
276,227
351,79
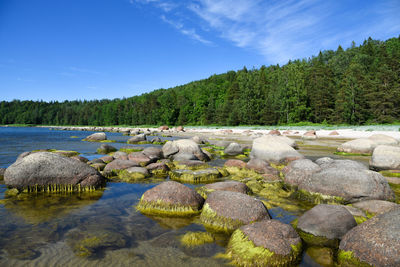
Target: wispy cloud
x,y
186,31
282,30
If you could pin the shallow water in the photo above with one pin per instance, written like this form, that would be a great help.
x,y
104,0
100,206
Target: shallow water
x,y
58,229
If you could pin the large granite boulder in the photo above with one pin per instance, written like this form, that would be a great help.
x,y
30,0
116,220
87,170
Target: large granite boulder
x,y
96,137
358,146
45,169
170,199
265,243
274,149
385,158
299,170
325,224
183,146
383,139
226,211
375,242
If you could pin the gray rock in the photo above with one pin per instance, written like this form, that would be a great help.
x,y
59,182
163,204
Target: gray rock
x,y
358,146
329,221
195,176
375,206
153,152
2,171
140,158
96,137
260,166
184,157
120,155
139,170
45,168
343,164
233,149
228,186
156,140
376,241
137,138
382,139
120,164
274,149
299,171
183,146
324,160
105,149
385,158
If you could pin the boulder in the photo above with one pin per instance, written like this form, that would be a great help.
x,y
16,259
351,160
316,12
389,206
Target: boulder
x,y
385,158
134,173
260,166
195,176
80,158
180,129
96,137
183,146
334,133
45,169
383,139
190,164
120,155
274,149
226,211
298,171
233,149
341,181
98,166
265,243
117,165
358,146
375,242
153,152
2,171
105,149
274,132
325,224
107,158
163,128
310,135
235,163
325,163
184,157
170,199
156,140
375,206
137,138
159,169
140,158
199,140
223,186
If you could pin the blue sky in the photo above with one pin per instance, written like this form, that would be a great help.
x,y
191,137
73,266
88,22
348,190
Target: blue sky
x,y
95,49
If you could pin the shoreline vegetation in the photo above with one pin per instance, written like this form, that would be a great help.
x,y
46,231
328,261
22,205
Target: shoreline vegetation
x,y
356,86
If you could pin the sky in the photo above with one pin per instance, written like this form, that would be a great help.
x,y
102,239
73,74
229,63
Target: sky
x,y
96,49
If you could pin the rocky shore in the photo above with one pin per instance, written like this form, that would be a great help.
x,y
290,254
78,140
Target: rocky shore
x,y
343,205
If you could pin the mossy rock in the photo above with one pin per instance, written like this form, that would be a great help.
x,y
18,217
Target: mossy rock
x,y
390,173
245,253
317,198
12,192
130,150
189,165
127,176
198,176
165,209
322,255
315,240
352,154
107,141
193,239
73,136
213,222
347,259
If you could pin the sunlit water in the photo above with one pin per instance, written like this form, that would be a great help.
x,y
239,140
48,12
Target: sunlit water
x,y
49,229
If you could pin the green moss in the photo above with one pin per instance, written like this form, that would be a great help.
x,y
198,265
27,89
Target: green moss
x,y
279,167
223,171
199,176
360,219
347,259
396,190
73,136
390,173
193,239
211,220
352,154
180,165
315,240
108,141
130,150
12,192
165,209
160,173
204,192
322,255
317,198
158,143
131,176
244,253
58,188
85,247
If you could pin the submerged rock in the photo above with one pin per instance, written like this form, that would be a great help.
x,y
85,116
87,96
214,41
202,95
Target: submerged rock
x,y
96,137
170,199
195,176
275,149
265,243
226,211
105,149
44,169
325,224
385,158
375,242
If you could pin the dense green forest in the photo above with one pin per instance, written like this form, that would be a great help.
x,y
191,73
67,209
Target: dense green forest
x,y
358,85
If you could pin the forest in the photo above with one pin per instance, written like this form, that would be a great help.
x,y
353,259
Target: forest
x,y
358,85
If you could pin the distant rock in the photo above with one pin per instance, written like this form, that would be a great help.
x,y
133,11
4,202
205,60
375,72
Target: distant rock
x,y
96,137
163,128
233,149
274,132
105,149
183,146
137,138
334,133
310,135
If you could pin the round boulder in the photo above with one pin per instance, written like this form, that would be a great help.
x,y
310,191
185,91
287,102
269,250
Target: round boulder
x,y
134,173
325,224
105,149
375,206
45,169
358,146
137,138
385,158
2,171
223,186
195,176
383,139
170,199
265,243
159,169
375,242
183,146
96,137
115,166
233,149
274,149
226,211
299,170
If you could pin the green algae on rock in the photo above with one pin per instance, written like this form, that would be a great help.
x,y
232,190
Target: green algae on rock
x,y
347,259
352,154
322,255
192,239
265,243
170,199
198,176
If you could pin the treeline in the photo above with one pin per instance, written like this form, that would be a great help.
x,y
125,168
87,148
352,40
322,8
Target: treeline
x,y
358,85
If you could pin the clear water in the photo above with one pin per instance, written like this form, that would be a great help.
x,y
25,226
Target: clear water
x,y
49,230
